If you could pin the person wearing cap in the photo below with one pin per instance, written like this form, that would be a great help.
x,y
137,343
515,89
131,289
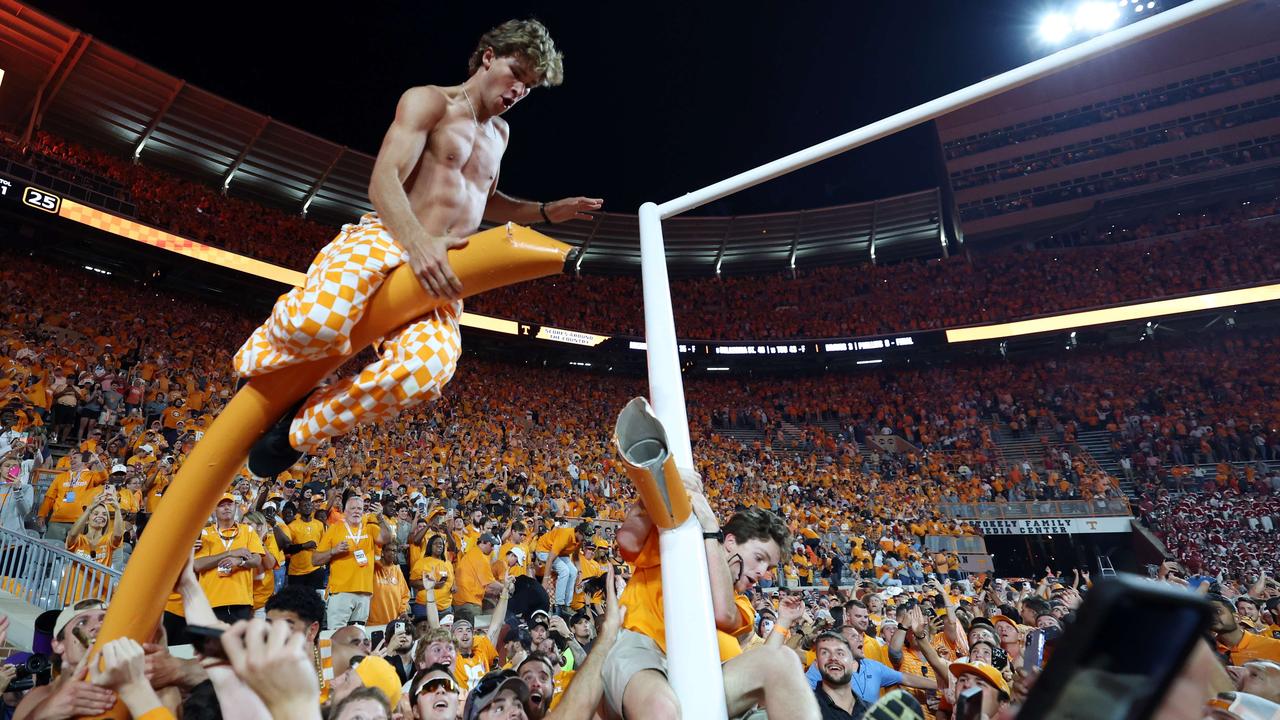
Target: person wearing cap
x,y
69,695
69,494
305,532
995,690
477,653
513,555
556,550
1234,643
474,576
500,695
435,694
349,548
230,554
587,568
1010,636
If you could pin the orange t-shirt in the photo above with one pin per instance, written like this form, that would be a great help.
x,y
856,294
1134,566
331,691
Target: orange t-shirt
x,y
558,542
390,595
469,670
643,600
236,586
304,531
351,571
264,581
473,573
433,569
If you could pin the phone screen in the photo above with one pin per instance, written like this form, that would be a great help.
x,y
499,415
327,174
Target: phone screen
x,y
969,705
1033,654
1131,657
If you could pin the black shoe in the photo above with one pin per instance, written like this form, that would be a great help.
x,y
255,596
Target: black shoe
x,y
272,454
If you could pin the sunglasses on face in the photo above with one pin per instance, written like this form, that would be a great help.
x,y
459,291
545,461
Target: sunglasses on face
x,y
440,683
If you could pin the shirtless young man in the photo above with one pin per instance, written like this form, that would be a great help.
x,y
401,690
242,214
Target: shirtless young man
x,y
435,178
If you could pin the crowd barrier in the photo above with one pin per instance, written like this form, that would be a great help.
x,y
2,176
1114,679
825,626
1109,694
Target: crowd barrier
x,y
49,577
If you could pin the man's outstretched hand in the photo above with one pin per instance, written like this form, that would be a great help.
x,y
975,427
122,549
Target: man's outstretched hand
x,y
574,208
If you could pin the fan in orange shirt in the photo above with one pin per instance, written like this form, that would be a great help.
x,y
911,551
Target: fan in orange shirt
x,y
349,547
96,534
230,553
477,653
752,543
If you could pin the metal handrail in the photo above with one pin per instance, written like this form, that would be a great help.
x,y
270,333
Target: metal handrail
x,y
50,577
1108,507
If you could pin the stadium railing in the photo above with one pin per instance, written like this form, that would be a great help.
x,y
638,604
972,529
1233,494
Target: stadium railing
x,y
1030,510
67,188
50,577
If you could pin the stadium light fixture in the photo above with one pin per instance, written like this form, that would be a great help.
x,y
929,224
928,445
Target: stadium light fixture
x,y
1055,28
1096,16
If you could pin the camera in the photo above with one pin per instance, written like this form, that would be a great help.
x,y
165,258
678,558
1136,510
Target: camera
x,y
35,671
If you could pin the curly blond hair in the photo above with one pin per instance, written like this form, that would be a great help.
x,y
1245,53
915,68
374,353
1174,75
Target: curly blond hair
x,y
528,39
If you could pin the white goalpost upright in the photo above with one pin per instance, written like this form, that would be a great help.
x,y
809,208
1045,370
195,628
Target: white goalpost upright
x,y
692,653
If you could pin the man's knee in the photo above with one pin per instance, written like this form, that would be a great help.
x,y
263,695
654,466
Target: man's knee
x,y
649,697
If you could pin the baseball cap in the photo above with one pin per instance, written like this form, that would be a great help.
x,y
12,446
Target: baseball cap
x,y
981,621
226,497
376,672
488,689
983,670
540,617
997,619
118,468
71,612
578,617
488,538
447,620
587,529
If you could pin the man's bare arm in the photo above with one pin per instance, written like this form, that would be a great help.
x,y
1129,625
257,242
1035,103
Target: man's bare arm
x,y
419,111
503,208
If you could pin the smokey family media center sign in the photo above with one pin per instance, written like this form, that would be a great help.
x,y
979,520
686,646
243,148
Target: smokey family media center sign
x,y
1054,526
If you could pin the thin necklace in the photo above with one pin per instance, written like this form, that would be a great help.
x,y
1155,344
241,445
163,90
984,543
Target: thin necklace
x,y
474,117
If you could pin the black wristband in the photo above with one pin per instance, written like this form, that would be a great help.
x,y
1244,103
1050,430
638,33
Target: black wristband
x,y
718,536
542,208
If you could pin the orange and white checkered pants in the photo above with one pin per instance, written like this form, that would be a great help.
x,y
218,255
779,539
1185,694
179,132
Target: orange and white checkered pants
x,y
315,321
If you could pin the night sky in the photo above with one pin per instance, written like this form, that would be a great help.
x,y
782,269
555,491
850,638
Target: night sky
x,y
658,99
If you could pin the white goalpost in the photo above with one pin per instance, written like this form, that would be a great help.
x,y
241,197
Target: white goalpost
x,y
692,653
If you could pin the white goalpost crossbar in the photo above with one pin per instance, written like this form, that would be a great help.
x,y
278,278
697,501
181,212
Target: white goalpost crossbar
x,y
692,653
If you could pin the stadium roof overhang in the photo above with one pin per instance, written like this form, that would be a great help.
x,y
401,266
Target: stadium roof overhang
x,y
68,82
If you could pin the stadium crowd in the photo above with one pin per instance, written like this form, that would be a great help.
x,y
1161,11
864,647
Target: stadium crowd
x,y
455,502
481,558
824,302
1117,143
1256,149
1141,102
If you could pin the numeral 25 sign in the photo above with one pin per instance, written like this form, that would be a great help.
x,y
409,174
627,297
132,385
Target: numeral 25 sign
x,y
41,200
